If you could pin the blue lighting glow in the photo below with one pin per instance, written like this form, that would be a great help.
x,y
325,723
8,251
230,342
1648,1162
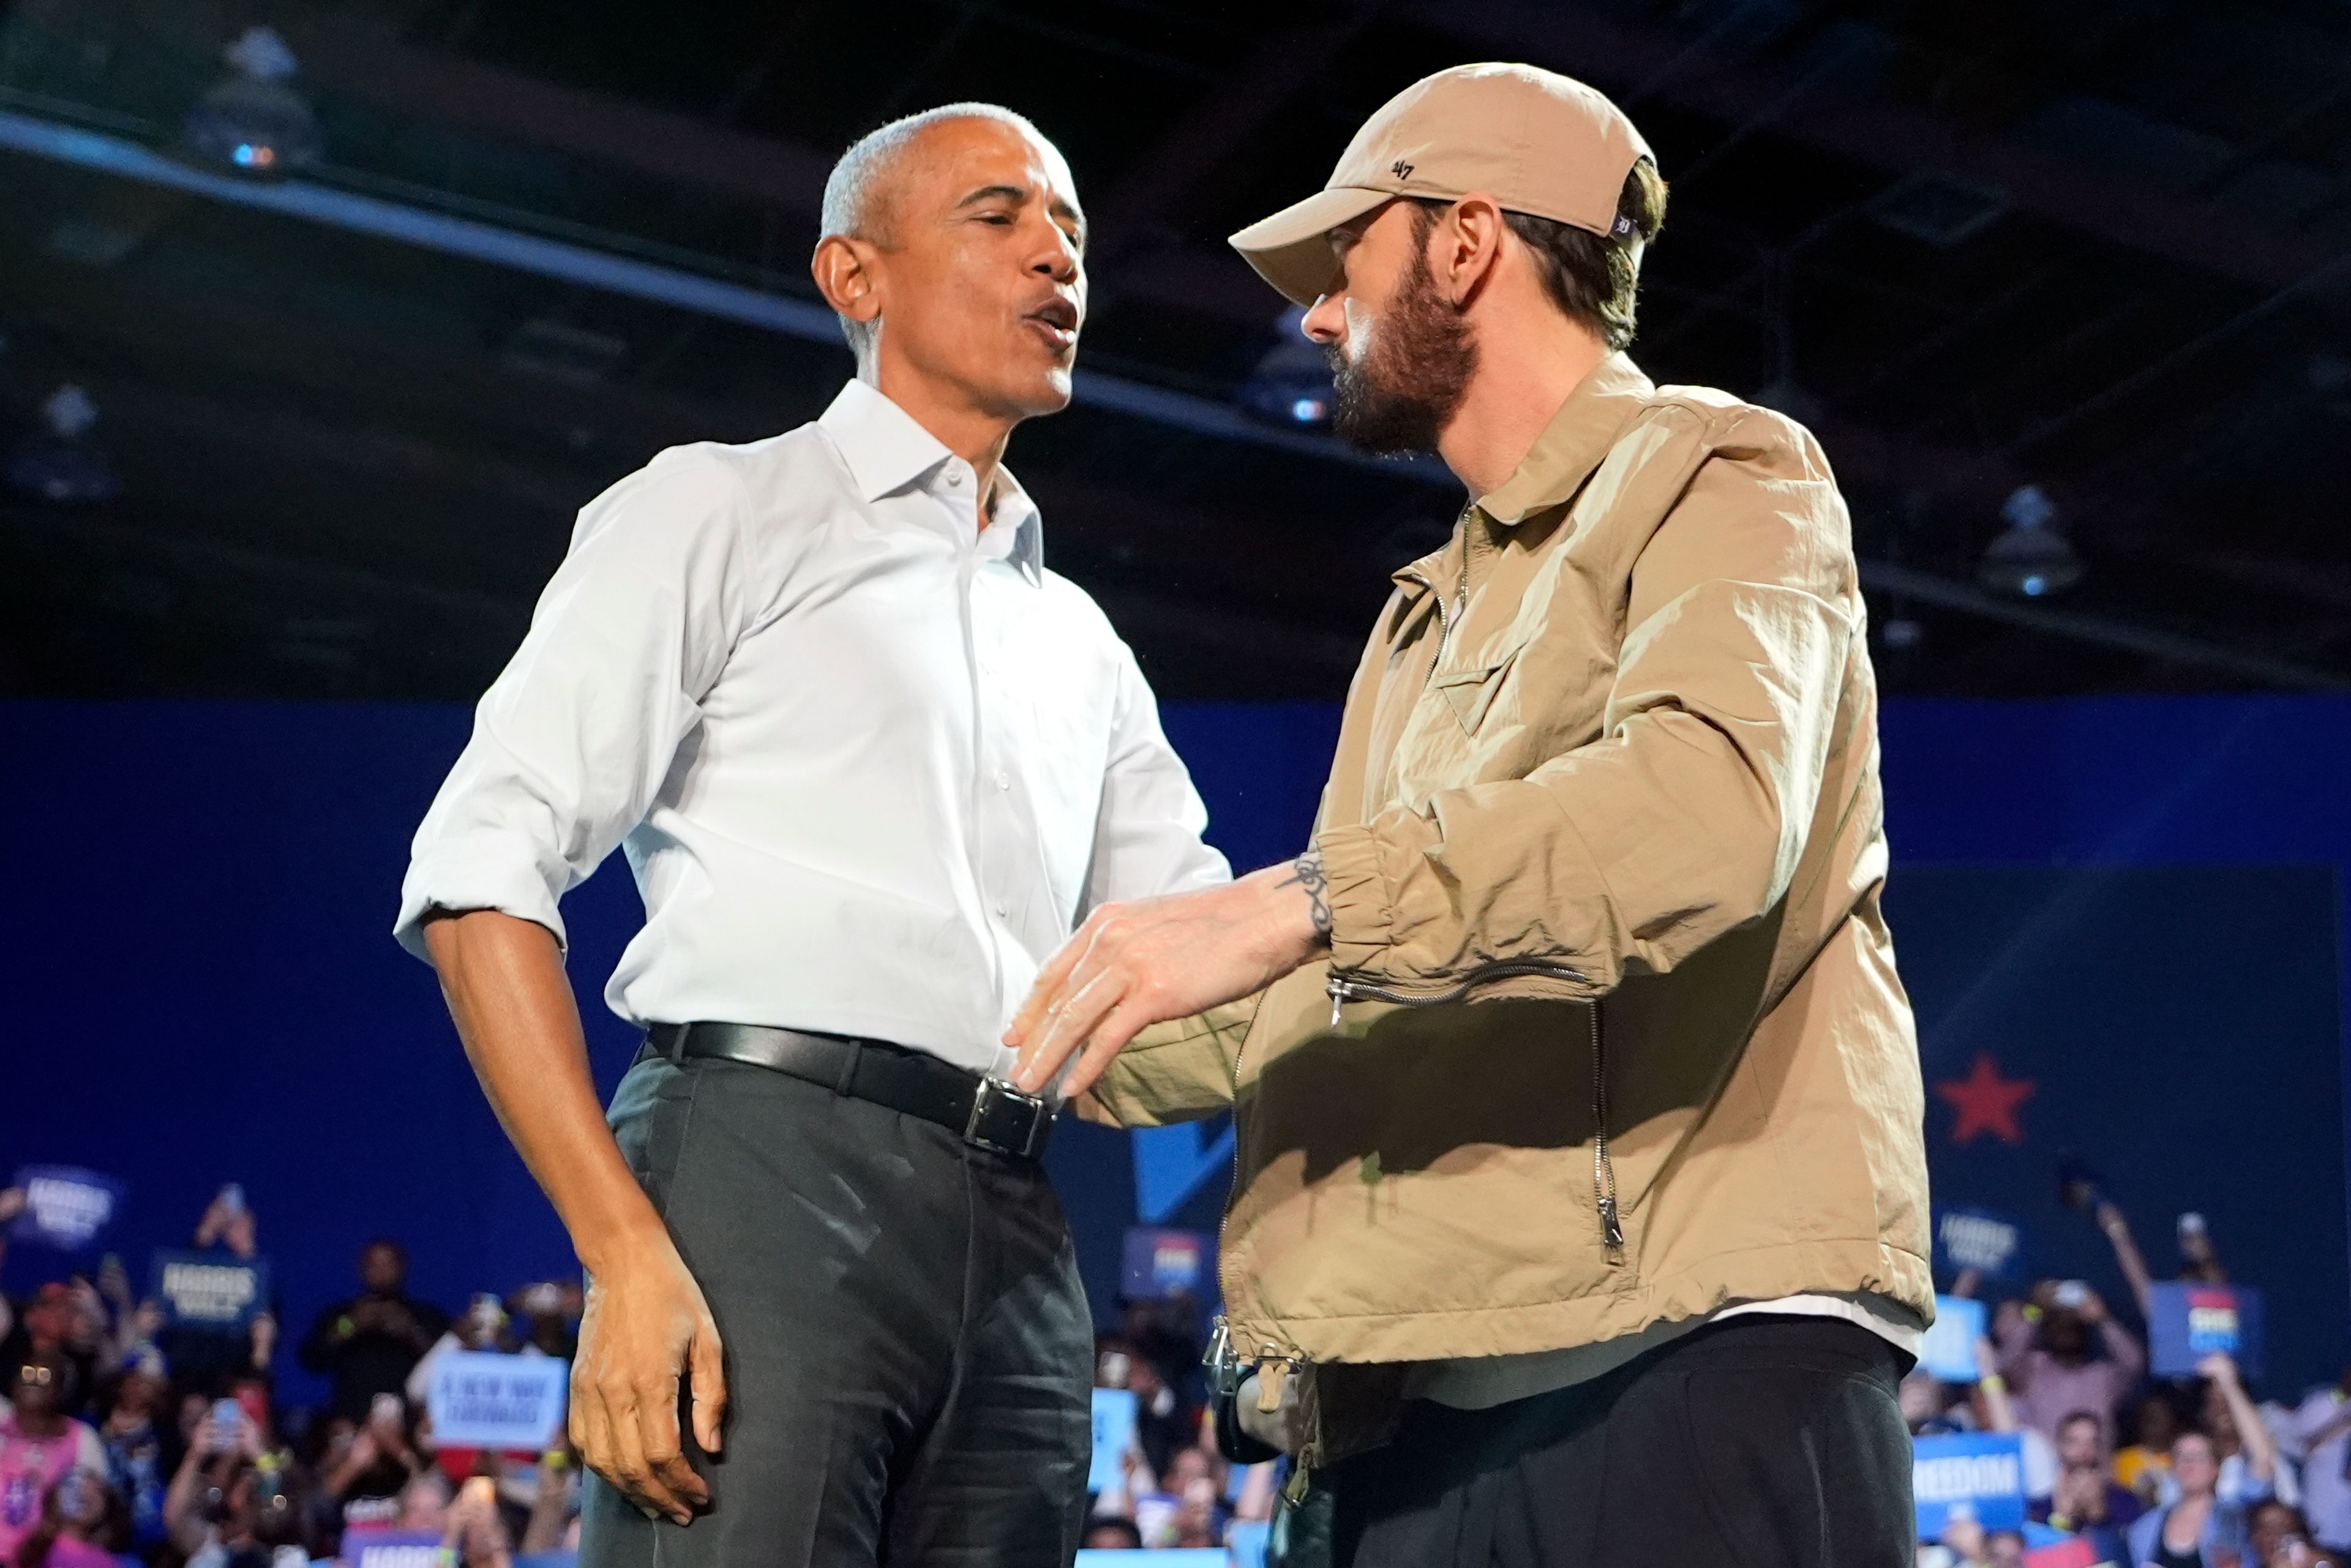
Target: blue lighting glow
x,y
244,155
2035,586
1307,410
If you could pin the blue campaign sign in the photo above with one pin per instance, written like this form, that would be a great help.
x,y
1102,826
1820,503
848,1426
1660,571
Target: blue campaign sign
x,y
1978,1475
1950,1349
1246,1542
1113,1434
481,1400
1165,1557
2185,1324
210,1290
65,1206
1966,1237
1160,1263
370,1548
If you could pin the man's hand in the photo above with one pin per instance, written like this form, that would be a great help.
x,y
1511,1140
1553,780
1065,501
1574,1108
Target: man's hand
x,y
645,1324
1133,964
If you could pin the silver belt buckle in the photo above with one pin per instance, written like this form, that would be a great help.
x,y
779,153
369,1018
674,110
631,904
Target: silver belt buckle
x,y
1006,1121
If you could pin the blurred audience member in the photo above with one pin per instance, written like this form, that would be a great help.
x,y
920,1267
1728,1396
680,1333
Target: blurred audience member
x,y
208,1358
476,1534
2320,1430
83,1524
368,1344
2143,1464
2086,1500
40,1443
2050,1367
374,1462
2196,1529
139,1462
2242,1444
1113,1535
2276,1535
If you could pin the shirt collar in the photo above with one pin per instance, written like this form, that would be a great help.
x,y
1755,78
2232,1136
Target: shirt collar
x,y
1572,445
887,451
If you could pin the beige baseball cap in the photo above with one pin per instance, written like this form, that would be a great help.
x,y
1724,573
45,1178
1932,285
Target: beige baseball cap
x,y
1536,142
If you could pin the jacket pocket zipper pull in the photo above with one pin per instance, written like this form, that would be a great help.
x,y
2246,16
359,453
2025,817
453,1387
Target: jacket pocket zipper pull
x,y
1338,989
1612,1230
1272,1377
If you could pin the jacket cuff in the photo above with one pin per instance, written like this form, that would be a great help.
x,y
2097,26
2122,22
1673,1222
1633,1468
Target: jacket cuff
x,y
1362,910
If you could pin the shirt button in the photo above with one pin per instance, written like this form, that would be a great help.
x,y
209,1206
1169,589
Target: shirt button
x,y
1002,909
1003,779
955,480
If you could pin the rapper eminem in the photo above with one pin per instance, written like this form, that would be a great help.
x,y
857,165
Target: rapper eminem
x,y
870,762
1581,1215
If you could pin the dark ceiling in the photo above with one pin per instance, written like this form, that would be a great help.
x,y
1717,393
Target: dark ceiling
x,y
2097,246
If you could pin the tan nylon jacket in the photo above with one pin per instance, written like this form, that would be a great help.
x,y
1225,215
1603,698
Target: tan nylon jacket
x,y
1611,1031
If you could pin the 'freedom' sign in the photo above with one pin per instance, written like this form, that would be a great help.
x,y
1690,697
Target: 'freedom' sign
x,y
481,1400
210,1290
1970,1475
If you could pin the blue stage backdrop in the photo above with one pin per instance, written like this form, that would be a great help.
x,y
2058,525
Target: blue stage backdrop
x,y
2121,922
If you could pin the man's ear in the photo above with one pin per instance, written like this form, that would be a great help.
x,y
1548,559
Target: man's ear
x,y
1468,242
846,274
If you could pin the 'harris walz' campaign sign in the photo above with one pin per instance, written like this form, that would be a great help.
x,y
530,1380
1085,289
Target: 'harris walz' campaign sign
x,y
1969,1474
372,1548
481,1400
1978,1238
1161,1263
65,1208
2185,1324
210,1290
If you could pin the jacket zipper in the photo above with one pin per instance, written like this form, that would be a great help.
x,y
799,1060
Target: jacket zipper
x,y
1603,1167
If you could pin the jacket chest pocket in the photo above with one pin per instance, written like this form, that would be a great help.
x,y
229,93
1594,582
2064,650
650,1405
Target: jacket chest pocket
x,y
1468,694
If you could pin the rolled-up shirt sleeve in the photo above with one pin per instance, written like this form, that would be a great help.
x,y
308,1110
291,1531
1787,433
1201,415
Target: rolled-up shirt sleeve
x,y
571,743
1147,838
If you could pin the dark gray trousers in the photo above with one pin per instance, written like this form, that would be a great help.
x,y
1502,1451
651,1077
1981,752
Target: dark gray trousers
x,y
908,1352
1757,1442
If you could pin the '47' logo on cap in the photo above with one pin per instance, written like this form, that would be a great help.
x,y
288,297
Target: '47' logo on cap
x,y
1401,169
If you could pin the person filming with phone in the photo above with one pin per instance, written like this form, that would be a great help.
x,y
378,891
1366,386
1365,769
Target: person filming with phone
x,y
368,1344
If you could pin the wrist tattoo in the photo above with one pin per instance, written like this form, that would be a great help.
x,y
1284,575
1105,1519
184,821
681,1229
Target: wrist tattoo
x,y
1306,871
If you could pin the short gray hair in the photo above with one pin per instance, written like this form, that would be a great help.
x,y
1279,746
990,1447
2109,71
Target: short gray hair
x,y
863,171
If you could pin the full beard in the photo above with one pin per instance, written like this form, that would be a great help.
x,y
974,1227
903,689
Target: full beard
x,y
1402,392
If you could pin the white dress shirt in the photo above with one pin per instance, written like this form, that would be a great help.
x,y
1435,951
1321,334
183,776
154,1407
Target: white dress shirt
x,y
870,762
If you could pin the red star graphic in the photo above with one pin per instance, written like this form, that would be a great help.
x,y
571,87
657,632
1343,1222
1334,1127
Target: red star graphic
x,y
1986,1102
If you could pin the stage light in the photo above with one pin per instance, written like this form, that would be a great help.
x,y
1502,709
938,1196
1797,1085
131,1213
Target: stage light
x,y
2031,557
253,120
59,462
1291,382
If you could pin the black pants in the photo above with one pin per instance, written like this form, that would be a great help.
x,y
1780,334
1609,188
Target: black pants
x,y
908,1353
1757,1442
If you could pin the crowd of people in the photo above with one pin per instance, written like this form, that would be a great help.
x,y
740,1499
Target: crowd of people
x,y
2148,1473
131,1441
1171,1487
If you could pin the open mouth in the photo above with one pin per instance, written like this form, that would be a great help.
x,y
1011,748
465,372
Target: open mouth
x,y
1057,322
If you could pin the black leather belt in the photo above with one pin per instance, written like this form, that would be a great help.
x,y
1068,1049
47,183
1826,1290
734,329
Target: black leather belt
x,y
988,1113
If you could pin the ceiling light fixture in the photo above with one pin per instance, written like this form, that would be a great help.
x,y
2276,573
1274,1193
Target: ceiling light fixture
x,y
253,120
2030,557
